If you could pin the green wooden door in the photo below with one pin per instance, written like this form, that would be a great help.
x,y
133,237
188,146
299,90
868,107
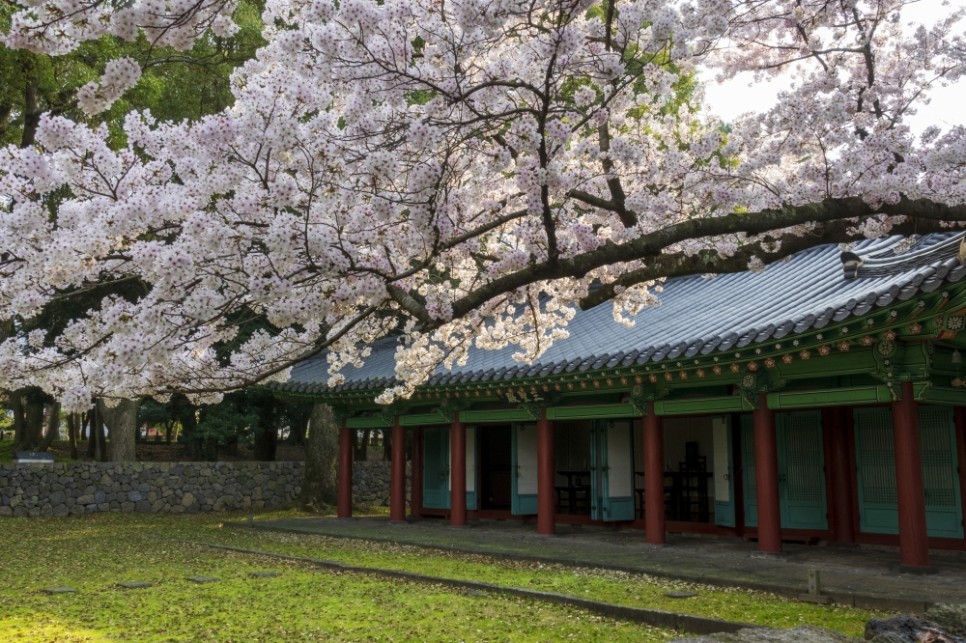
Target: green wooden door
x,y
611,471
724,486
940,472
875,464
876,472
471,450
436,467
523,482
748,469
801,470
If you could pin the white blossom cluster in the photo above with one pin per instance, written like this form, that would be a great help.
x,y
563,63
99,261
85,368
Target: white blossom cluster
x,y
120,75
467,173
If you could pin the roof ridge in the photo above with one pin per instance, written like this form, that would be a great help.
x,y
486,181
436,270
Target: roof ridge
x,y
930,251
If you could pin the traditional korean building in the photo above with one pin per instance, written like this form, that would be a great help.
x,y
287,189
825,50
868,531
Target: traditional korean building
x,y
821,399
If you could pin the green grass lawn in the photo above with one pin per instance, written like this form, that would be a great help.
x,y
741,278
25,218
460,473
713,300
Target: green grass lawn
x,y
93,553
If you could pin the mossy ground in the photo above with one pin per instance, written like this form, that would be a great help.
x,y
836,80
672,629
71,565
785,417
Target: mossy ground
x,y
93,553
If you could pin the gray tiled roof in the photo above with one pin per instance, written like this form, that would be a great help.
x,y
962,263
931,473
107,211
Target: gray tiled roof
x,y
703,314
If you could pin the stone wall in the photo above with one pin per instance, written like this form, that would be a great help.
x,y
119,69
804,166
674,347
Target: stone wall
x,y
63,489
71,488
370,484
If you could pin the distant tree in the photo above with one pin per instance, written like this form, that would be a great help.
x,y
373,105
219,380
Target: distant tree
x,y
155,414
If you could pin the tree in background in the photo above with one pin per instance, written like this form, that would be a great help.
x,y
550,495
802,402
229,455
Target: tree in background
x,y
459,173
182,85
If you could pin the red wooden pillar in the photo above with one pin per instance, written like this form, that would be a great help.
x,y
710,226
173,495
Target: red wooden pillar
x,y
546,508
417,474
654,524
766,479
839,477
397,475
913,543
457,478
344,505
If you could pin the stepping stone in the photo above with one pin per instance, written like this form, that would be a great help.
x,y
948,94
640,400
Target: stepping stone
x,y
264,574
59,590
680,594
133,584
202,579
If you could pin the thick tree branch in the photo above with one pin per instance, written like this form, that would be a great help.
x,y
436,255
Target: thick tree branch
x,y
921,213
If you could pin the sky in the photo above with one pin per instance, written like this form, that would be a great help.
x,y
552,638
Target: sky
x,y
734,97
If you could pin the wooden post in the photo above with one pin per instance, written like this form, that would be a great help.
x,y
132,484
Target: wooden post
x,y
546,507
839,478
913,543
766,479
344,509
654,522
397,475
416,494
457,479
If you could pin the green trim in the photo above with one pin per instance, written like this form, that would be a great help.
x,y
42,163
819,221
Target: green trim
x,y
424,419
496,415
850,395
836,364
591,412
943,395
367,423
702,405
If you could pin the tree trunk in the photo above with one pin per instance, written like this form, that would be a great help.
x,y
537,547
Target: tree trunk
x,y
19,419
73,423
100,439
122,422
299,414
386,445
185,412
361,447
31,109
90,422
33,431
266,436
320,488
53,426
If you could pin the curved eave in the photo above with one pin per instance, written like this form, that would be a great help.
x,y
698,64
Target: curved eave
x,y
920,314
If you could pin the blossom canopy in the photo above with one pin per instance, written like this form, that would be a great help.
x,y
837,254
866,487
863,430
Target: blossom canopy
x,y
461,172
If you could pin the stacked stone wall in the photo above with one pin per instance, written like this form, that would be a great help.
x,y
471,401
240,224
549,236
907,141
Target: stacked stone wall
x,y
73,488
370,484
63,489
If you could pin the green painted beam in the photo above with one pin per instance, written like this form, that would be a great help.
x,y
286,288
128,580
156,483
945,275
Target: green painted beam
x,y
424,419
367,423
874,394
702,406
591,412
496,415
856,361
943,395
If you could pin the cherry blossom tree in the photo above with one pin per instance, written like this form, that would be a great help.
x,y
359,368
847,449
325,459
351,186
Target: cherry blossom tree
x,y
459,172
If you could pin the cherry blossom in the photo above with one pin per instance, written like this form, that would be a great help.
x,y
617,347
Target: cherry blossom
x,y
457,174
